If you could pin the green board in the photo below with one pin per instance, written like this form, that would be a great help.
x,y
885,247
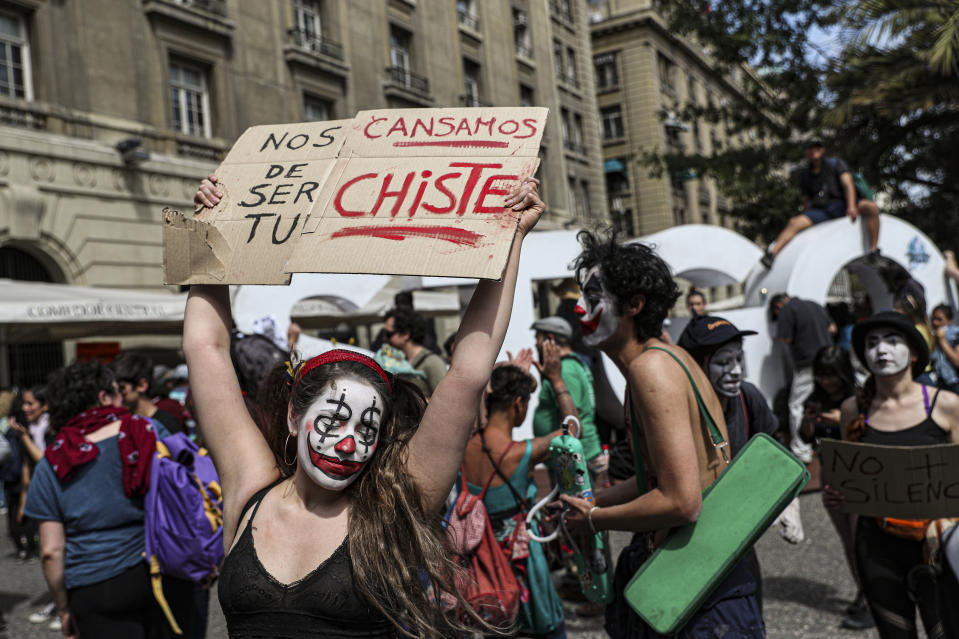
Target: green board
x,y
756,486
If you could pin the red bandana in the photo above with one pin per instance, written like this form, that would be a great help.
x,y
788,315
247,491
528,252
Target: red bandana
x,y
137,443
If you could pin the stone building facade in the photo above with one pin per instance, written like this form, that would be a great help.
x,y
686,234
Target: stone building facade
x,y
643,71
111,110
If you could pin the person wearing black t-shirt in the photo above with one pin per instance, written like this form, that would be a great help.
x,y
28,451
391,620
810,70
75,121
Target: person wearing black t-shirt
x,y
828,193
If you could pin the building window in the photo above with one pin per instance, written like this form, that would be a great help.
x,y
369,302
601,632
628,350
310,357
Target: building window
x,y
316,109
573,199
622,220
565,123
571,75
400,58
306,14
527,97
612,118
587,209
14,58
667,75
522,35
466,14
471,88
564,8
558,59
190,99
607,71
691,93
576,143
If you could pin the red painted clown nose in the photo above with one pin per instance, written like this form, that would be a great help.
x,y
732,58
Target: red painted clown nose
x,y
579,310
345,445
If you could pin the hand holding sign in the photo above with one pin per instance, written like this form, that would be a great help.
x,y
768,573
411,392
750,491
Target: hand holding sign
x,y
525,198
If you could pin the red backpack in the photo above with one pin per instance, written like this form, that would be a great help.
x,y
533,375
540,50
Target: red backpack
x,y
489,587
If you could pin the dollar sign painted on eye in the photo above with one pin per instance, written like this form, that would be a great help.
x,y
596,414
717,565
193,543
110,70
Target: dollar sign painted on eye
x,y
329,422
366,418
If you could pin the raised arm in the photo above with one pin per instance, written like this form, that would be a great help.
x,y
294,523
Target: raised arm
x,y
436,451
241,455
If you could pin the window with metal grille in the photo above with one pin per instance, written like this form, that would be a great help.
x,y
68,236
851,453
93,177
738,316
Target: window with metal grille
x,y
471,83
607,71
14,57
190,99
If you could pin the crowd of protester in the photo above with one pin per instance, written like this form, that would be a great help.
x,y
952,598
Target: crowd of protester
x,y
334,471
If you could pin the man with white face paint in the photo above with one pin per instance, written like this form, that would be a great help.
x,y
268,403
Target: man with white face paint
x,y
627,293
717,346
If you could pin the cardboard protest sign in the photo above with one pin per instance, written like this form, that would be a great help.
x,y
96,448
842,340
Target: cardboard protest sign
x,y
270,182
402,191
920,482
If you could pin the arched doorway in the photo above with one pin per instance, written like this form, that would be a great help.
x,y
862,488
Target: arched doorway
x,y
25,364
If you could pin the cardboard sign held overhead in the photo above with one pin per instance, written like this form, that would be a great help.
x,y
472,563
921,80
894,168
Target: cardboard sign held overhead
x,y
905,482
409,192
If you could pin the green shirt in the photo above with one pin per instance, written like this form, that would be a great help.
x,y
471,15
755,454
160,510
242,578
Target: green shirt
x,y
579,383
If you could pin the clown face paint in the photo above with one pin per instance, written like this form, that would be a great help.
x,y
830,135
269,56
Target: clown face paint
x,y
887,352
726,369
339,433
596,310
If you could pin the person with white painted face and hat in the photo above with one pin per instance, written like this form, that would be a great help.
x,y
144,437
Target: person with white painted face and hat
x,y
894,410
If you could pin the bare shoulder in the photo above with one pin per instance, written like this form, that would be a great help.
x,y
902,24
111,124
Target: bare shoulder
x,y
655,368
849,405
948,404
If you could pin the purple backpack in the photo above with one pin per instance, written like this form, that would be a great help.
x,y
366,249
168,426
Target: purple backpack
x,y
184,516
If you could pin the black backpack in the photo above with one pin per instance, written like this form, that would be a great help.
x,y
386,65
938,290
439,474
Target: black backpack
x,y
253,357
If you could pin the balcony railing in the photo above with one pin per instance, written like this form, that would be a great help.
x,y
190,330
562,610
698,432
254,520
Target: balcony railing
x,y
568,80
316,44
217,7
16,116
407,79
575,147
524,51
559,11
468,20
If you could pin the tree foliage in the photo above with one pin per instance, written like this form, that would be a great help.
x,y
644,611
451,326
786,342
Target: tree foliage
x,y
887,101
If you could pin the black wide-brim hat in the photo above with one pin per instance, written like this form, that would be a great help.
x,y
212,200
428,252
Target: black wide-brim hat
x,y
901,323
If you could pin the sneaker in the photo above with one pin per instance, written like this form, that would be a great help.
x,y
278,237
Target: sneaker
x,y
856,604
767,260
55,625
859,619
43,615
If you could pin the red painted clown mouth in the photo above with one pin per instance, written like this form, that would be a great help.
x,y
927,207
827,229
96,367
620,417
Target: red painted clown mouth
x,y
334,467
589,326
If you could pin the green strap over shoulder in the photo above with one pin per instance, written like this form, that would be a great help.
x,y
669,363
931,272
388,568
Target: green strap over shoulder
x,y
714,433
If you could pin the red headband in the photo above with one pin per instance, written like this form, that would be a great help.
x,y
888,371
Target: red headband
x,y
341,355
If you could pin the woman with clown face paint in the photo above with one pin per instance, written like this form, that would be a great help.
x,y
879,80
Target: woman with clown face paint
x,y
332,511
894,410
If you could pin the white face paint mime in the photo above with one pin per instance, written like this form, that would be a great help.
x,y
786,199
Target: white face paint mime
x,y
887,352
726,369
596,310
339,433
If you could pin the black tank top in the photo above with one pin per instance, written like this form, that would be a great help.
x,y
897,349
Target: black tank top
x,y
323,604
925,433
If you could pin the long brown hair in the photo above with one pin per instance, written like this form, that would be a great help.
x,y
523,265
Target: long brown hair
x,y
394,539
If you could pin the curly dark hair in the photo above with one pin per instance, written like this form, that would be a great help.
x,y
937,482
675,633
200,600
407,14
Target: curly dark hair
x,y
507,383
75,388
629,270
406,320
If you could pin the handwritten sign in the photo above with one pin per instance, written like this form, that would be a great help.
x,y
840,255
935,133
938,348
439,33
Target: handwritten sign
x,y
919,482
403,191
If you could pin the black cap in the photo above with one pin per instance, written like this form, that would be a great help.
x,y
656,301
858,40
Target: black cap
x,y
813,141
899,322
707,333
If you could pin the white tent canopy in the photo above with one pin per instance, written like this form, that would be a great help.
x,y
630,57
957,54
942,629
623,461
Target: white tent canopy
x,y
41,311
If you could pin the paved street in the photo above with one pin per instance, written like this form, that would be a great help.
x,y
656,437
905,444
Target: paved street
x,y
806,587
